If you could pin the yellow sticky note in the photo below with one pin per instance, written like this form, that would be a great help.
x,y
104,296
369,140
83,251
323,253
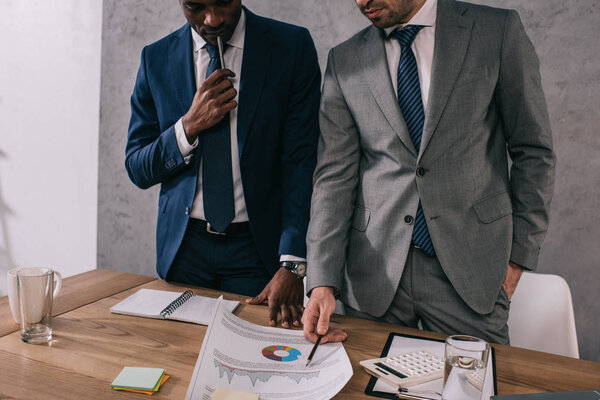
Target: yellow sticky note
x,y
229,394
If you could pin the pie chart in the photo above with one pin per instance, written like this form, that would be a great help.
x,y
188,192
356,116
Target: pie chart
x,y
281,353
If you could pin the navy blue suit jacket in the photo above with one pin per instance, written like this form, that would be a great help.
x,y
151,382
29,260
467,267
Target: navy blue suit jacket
x,y
277,135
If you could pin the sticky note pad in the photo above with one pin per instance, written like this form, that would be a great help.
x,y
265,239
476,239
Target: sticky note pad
x,y
229,394
138,378
148,392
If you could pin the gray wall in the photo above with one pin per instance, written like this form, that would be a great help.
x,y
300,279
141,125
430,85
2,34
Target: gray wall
x,y
566,37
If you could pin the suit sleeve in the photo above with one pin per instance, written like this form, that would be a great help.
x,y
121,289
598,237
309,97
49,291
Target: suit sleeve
x,y
151,156
299,150
529,141
335,181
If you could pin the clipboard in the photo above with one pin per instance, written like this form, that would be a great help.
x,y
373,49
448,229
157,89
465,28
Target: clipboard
x,y
371,389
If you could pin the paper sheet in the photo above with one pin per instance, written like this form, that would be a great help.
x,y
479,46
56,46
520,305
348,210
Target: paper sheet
x,y
239,355
230,394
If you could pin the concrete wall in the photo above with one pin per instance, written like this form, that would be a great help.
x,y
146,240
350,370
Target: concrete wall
x,y
565,35
49,112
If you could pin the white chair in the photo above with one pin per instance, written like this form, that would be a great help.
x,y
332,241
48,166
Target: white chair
x,y
541,315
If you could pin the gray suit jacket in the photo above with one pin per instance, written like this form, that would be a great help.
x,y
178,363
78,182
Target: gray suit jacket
x,y
485,98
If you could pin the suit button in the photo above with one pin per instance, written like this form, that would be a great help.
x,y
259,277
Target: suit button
x,y
187,211
420,172
408,219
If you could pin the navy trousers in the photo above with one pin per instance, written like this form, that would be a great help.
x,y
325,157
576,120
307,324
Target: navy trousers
x,y
229,263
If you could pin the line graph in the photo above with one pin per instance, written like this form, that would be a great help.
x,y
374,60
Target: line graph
x,y
263,375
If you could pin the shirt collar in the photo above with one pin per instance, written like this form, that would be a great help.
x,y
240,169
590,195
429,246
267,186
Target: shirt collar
x,y
426,16
236,40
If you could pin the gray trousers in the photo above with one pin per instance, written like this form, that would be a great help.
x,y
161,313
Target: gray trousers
x,y
425,294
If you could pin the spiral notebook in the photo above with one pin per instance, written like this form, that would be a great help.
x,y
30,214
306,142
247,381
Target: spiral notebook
x,y
162,304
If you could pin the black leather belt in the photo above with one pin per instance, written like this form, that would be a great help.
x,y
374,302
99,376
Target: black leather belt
x,y
232,229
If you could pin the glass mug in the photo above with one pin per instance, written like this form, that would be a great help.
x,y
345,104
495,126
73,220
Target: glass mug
x,y
465,367
36,290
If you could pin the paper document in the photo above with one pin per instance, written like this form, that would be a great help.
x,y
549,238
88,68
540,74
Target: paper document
x,y
270,362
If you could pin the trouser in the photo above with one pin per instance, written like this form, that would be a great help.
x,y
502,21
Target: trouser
x,y
230,262
425,294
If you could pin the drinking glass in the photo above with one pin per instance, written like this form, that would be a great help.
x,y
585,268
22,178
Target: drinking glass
x,y
36,293
465,367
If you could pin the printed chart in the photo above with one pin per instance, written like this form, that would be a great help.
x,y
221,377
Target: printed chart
x,y
270,362
281,353
263,376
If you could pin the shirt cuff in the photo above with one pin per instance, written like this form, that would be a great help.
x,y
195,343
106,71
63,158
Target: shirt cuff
x,y
287,257
184,146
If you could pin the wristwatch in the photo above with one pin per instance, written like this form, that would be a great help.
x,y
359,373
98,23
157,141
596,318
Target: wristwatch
x,y
297,268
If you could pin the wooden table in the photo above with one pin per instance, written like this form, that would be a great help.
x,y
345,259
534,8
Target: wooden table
x,y
91,345
78,291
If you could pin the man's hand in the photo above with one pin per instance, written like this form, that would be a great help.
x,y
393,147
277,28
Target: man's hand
x,y
316,316
212,101
285,294
513,274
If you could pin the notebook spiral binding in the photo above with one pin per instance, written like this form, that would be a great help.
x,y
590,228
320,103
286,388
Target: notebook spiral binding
x,y
175,304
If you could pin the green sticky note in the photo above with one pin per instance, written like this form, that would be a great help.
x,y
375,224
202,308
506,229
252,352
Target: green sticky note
x,y
138,378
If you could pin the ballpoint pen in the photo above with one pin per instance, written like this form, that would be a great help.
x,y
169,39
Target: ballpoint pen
x,y
416,394
220,46
312,352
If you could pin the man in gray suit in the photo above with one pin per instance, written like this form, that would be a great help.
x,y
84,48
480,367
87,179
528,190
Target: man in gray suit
x,y
415,215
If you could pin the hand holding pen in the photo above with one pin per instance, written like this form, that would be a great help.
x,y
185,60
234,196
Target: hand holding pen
x,y
316,319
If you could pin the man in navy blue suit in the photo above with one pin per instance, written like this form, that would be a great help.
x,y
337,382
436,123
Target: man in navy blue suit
x,y
233,147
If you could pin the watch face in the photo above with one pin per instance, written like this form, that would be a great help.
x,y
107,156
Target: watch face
x,y
300,269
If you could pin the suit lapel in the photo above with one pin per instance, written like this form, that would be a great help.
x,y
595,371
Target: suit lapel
x,y
181,67
452,35
376,71
182,71
255,62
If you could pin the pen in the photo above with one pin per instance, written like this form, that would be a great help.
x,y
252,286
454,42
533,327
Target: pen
x,y
402,394
220,46
312,352
411,397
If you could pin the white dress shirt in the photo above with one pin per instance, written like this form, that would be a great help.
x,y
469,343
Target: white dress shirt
x,y
422,47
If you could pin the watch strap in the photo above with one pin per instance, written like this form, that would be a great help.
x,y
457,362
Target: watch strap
x,y
291,266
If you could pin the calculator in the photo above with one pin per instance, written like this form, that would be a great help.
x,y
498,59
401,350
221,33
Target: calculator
x,y
476,378
406,369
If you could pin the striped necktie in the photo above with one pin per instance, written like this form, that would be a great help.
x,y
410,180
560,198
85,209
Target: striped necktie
x,y
411,105
217,178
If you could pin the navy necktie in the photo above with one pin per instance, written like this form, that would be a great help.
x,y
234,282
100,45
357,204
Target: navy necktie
x,y
411,105
217,179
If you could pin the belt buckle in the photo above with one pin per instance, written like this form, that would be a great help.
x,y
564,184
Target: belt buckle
x,y
213,232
